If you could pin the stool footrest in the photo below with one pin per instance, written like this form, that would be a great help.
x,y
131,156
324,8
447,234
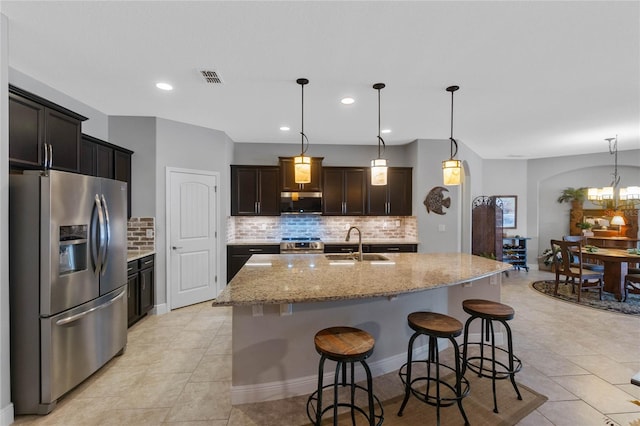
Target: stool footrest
x,y
483,365
313,399
425,382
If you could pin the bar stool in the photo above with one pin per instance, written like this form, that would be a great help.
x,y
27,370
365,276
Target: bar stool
x,y
434,326
489,311
344,345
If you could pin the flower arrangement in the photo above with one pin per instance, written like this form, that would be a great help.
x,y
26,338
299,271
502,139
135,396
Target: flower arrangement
x,y
547,256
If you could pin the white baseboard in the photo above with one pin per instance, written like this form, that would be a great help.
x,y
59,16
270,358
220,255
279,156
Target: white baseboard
x,y
306,385
160,309
7,415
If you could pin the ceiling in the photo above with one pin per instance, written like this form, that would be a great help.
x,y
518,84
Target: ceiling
x,y
537,79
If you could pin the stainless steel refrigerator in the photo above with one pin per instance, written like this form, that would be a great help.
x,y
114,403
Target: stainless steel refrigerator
x,y
67,281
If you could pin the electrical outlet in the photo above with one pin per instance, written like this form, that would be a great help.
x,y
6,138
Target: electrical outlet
x,y
442,228
256,310
149,233
347,226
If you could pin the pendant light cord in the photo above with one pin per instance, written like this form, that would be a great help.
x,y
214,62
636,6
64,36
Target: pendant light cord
x,y
613,149
453,142
379,137
303,137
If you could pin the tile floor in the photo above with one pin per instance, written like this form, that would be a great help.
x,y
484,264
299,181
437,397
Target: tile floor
x,y
176,369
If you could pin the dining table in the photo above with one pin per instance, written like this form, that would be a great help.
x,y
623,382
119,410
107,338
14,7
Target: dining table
x,y
616,264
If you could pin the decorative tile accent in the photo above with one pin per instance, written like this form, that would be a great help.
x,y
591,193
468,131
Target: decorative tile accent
x,y
141,233
273,228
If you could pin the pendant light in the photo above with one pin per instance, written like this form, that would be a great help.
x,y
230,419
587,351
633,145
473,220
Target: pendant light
x,y
452,168
379,165
302,163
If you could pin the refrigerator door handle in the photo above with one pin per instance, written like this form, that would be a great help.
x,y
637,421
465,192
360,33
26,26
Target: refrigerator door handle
x,y
45,163
107,233
50,156
97,235
76,317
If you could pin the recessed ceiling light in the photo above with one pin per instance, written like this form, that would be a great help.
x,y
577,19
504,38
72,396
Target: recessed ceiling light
x,y
285,128
385,131
164,86
347,101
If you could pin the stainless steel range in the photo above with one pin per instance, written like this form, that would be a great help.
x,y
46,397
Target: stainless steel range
x,y
301,245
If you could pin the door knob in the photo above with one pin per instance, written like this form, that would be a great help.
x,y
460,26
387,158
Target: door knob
x,y
176,248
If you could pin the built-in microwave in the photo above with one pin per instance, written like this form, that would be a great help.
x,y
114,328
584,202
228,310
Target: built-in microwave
x,y
300,202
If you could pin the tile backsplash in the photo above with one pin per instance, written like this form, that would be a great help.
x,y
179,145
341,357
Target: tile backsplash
x,y
141,233
273,228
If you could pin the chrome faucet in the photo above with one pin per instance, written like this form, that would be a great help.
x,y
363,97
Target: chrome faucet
x,y
359,241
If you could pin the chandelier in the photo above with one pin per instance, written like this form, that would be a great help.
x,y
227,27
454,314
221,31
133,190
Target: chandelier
x,y
612,197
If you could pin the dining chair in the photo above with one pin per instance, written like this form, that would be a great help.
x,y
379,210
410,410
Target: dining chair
x,y
567,256
586,265
631,284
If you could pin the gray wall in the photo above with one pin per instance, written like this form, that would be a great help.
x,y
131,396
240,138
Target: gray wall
x,y
190,147
6,408
139,135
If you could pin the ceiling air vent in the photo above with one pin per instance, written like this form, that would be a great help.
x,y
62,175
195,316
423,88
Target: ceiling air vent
x,y
211,77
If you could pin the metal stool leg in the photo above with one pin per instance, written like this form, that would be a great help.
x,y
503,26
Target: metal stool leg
x,y
407,387
456,352
320,376
435,358
464,345
510,353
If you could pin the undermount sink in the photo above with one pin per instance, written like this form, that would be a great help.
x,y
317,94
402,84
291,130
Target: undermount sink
x,y
365,257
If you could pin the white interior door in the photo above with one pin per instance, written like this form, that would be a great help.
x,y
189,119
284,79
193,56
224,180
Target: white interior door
x,y
193,252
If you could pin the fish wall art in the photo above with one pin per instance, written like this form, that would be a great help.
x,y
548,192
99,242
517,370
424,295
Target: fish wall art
x,y
435,200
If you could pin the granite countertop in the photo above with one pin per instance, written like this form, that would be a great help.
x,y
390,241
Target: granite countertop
x,y
137,254
298,278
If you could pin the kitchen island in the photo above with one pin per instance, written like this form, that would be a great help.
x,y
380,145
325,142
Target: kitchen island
x,y
281,301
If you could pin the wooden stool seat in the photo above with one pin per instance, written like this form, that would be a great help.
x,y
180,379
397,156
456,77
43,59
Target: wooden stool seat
x,y
488,309
344,343
435,324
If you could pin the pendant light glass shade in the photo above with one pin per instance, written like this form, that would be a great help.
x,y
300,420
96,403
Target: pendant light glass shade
x,y
379,165
451,171
379,171
302,169
452,168
302,164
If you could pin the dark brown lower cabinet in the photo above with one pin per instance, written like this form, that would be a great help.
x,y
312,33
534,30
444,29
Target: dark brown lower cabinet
x,y
141,282
237,256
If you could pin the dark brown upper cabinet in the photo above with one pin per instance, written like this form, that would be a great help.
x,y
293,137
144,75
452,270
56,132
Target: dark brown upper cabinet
x,y
344,191
393,199
42,134
255,191
287,176
103,159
